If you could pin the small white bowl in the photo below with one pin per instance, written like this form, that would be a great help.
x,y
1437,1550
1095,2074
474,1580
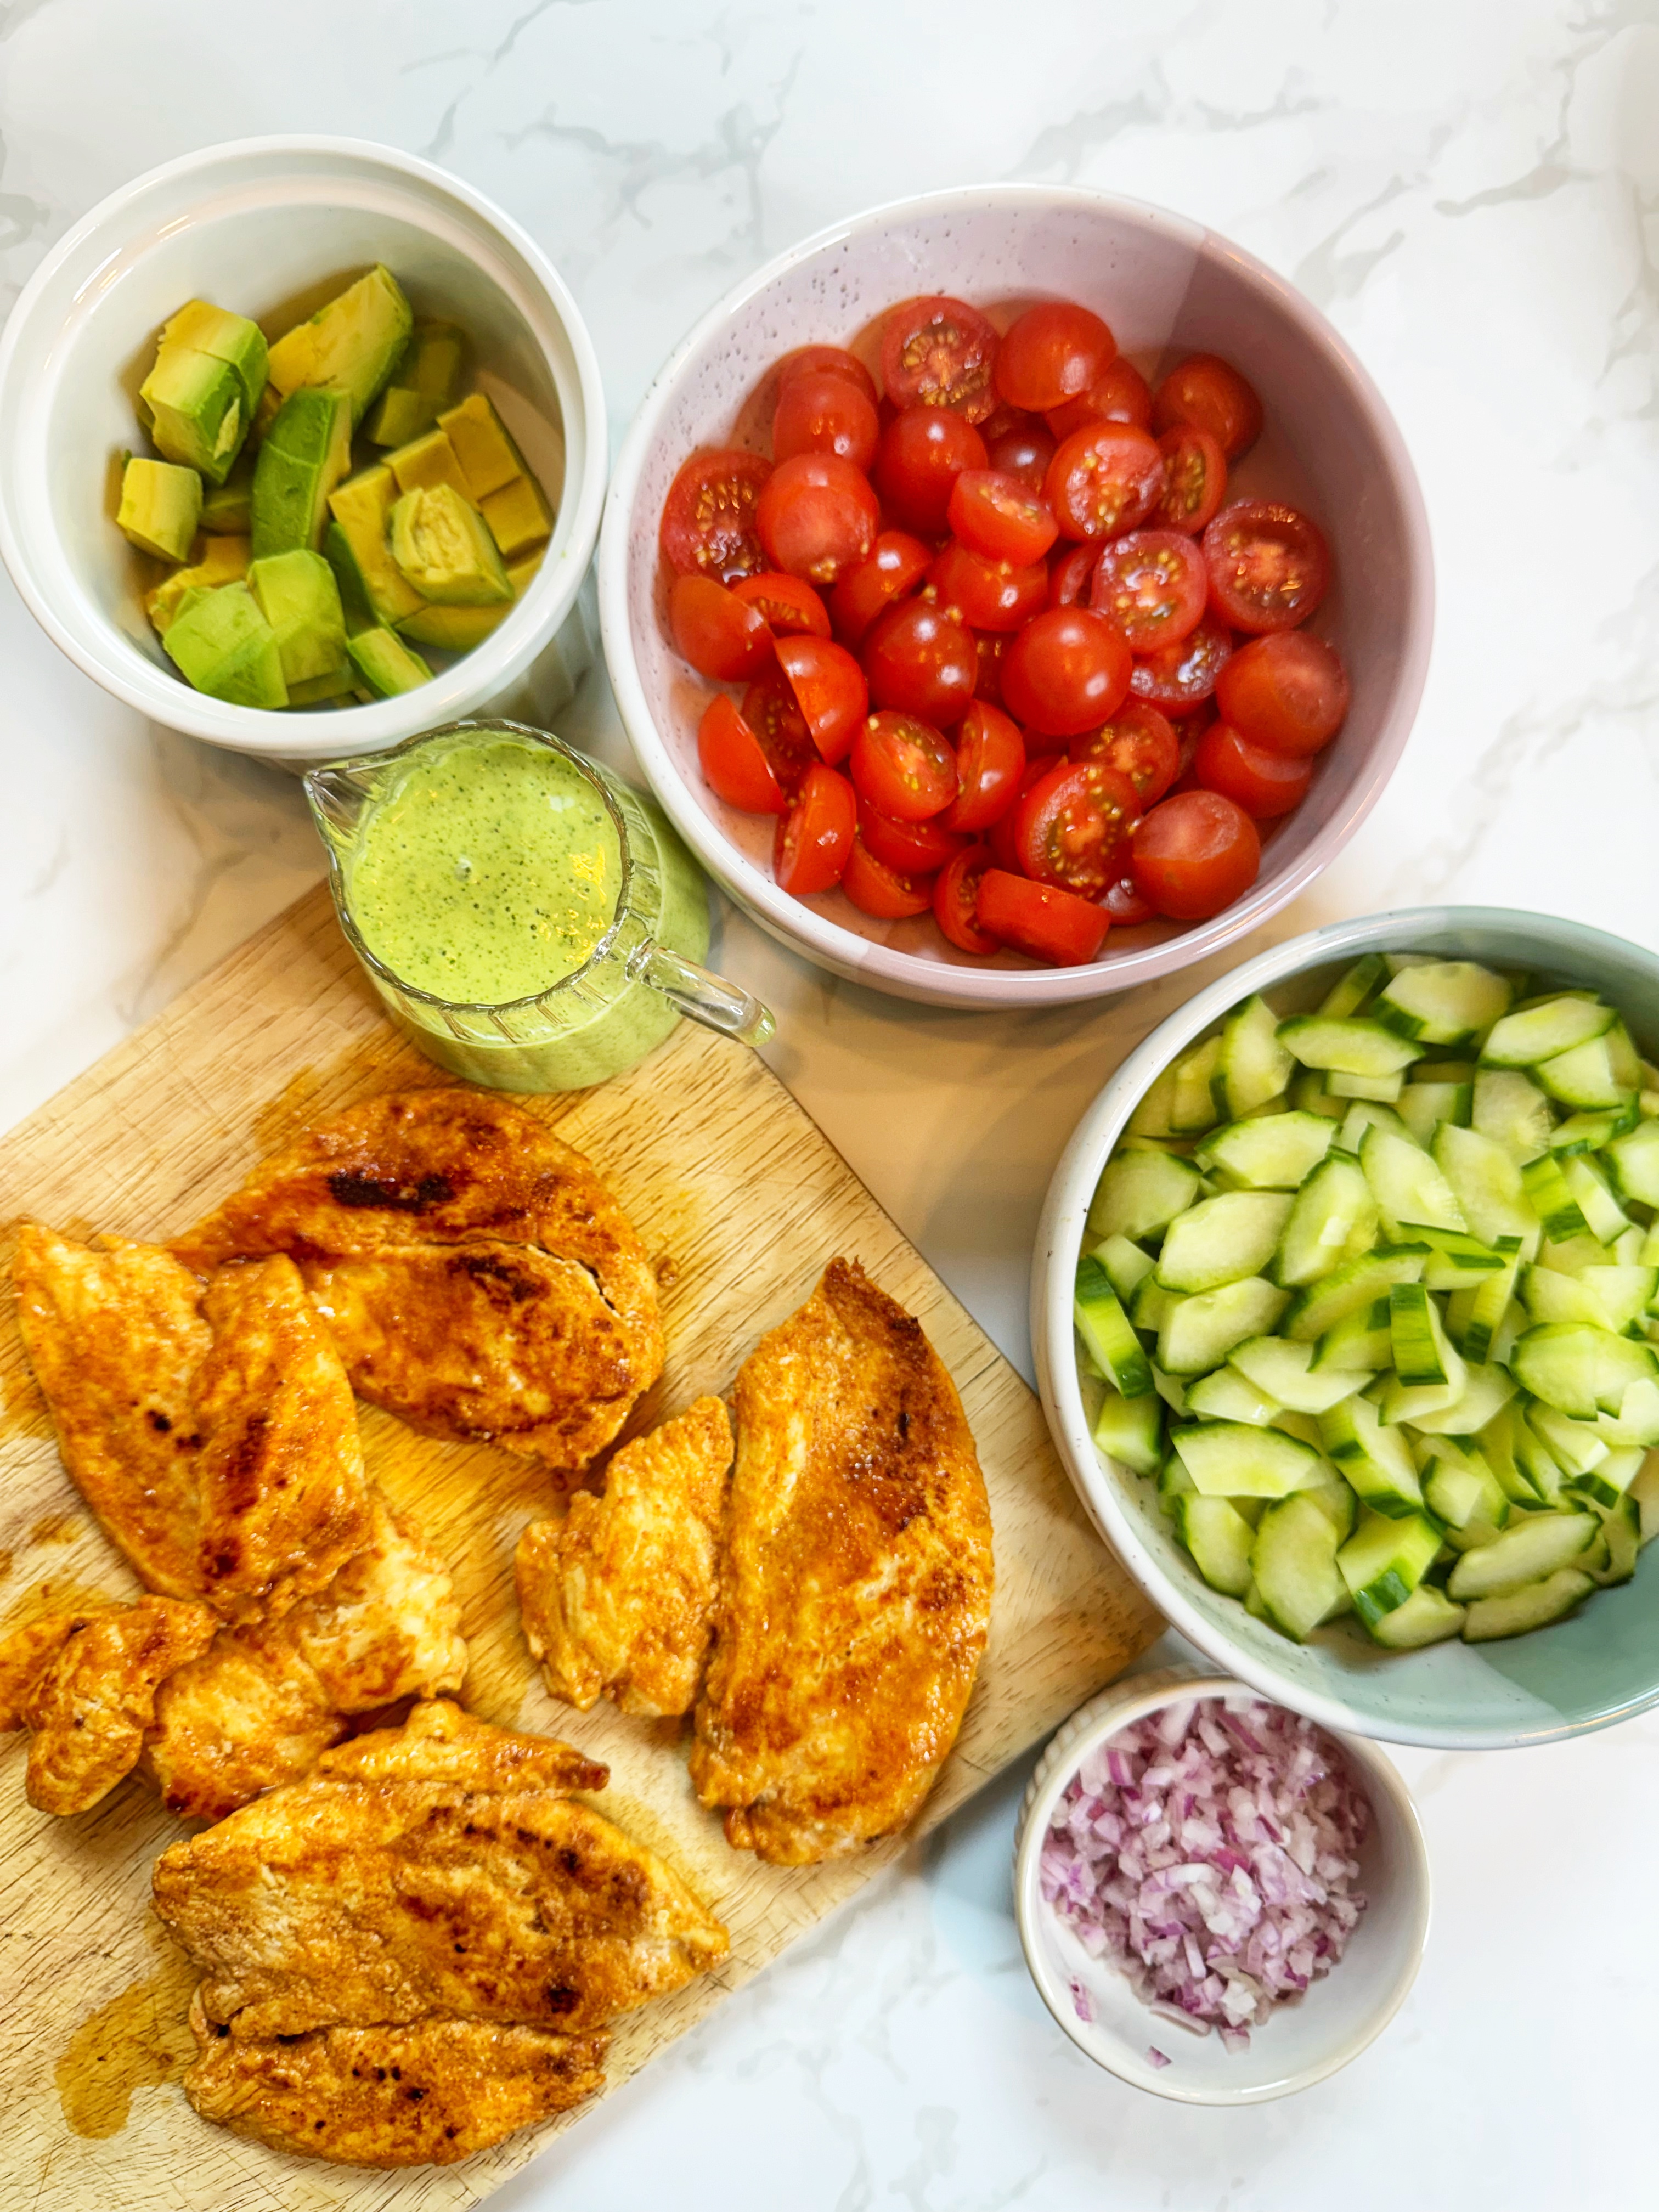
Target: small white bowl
x,y
259,226
1163,284
1302,2042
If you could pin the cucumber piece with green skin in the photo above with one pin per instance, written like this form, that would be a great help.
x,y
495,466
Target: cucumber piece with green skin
x,y
1632,1164
1535,1462
1361,1340
1424,1107
1286,1370
1375,1461
1428,1616
1533,1606
1221,1539
1575,1446
1354,986
1132,1429
1171,1389
1545,1183
1196,1334
1604,1217
1461,1490
1443,1001
1337,1502
1193,1107
1364,1113
1644,1493
1386,1089
1530,1549
1294,1563
1174,1482
1545,1030
1496,1442
1509,1107
1104,1327
1149,1305
1126,1265
1307,1094
1222,1239
1621,1532
1603,1297
1407,1186
1356,1285
1141,1192
1252,1065
1637,1421
1225,1395
1421,1353
1581,1370
1152,1116
1584,1077
1231,1459
1487,1388
1591,1132
1606,1483
1269,1152
1347,1046
1485,1178
1385,1561
1333,1218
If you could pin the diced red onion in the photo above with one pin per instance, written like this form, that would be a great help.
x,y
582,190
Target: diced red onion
x,y
1209,1852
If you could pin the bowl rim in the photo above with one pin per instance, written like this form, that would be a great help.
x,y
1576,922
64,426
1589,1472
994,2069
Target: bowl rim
x,y
1130,1698
1053,1265
479,675
940,982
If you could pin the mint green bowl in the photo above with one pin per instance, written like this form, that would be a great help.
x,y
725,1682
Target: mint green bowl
x,y
1600,1665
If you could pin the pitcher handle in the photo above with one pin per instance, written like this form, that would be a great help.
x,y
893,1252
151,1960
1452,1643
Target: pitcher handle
x,y
706,996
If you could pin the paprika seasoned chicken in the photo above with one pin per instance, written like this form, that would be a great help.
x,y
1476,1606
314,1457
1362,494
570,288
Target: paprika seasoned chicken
x,y
481,1281
855,1584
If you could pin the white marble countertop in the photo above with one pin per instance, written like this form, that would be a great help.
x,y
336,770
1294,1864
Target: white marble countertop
x,y
1470,189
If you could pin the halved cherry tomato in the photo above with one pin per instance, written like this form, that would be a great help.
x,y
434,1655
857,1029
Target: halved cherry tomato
x,y
816,516
915,848
1268,565
1182,676
1067,671
1265,784
830,689
923,452
1071,574
717,633
1137,742
1041,919
1121,395
990,763
1104,480
1002,837
1209,393
1194,478
885,893
788,603
1126,906
939,352
825,413
1153,585
1072,824
987,685
732,762
708,516
1024,450
897,565
956,894
988,594
1001,516
921,660
780,727
1051,353
815,837
903,765
821,360
1196,853
1287,692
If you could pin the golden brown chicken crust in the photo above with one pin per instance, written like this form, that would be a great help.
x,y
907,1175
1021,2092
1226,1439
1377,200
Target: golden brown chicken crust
x,y
26,1653
429,2094
856,1588
97,1700
248,1714
616,1596
438,1212
388,1626
440,1743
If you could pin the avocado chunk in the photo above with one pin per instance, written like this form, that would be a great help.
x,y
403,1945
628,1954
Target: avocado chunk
x,y
488,456
386,663
429,461
161,505
300,600
443,545
306,453
518,516
351,345
231,339
458,629
195,411
427,378
360,508
349,580
317,689
221,642
228,508
217,561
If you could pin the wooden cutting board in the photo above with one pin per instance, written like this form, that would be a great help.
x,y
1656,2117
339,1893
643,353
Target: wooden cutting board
x,y
741,1200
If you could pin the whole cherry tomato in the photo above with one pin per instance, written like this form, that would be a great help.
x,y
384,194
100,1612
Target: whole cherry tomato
x,y
708,516
1209,393
825,413
819,360
1025,450
1121,394
736,768
988,594
1067,671
939,352
921,660
1050,354
816,516
1195,853
923,452
1287,692
1265,784
815,837
718,634
897,565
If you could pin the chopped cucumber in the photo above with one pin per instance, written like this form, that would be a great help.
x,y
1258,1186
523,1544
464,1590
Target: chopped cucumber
x,y
1225,1395
1385,1559
1545,1031
1407,1186
1510,1109
1358,1284
1193,1106
1270,1151
1584,1077
1333,1219
1581,1370
1428,1616
1604,1217
1132,1429
1632,1164
1644,1490
1284,1370
1230,1459
1421,1353
1104,1328
1347,1046
1152,1118
1621,1532
1294,1562
1442,1002
1533,1606
1376,1460
1606,1483
1424,1106
1222,1239
1362,1340
1487,1388
1485,1178
1524,1552
1545,1183
1355,985
1196,1334
1384,1088
1141,1193
1252,1065
1126,1265
1221,1539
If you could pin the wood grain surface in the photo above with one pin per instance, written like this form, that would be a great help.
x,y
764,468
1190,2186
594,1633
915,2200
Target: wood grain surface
x,y
741,1200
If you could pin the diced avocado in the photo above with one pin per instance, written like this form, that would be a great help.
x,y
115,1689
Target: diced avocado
x,y
161,506
386,663
195,411
221,642
519,572
305,455
219,561
444,548
351,345
430,460
517,516
300,600
349,580
204,328
453,629
488,456
360,508
316,689
228,508
426,378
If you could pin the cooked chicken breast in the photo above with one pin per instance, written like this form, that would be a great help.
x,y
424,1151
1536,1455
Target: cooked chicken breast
x,y
247,1716
440,1743
855,1584
26,1653
478,1276
91,1709
388,1626
616,1596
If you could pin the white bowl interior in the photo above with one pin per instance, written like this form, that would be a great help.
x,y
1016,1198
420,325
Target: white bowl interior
x,y
1597,1667
1167,288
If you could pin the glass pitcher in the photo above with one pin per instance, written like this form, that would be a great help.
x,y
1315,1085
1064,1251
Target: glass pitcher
x,y
643,973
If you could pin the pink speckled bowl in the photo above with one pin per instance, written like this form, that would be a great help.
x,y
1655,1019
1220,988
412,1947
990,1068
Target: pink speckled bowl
x,y
1168,288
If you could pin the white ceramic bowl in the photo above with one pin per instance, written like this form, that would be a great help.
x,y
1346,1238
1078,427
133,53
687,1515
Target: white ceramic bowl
x,y
1165,286
1600,1666
1303,2042
262,226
